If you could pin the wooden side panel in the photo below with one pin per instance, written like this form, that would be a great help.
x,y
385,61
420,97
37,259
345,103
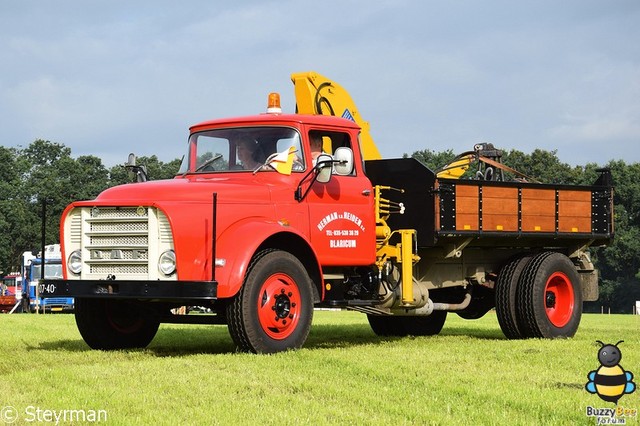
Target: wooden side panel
x,y
467,216
538,210
494,208
574,211
499,209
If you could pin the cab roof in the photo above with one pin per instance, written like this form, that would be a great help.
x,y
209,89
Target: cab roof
x,y
277,119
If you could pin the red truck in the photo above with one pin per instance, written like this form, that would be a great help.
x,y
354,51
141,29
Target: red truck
x,y
10,292
260,231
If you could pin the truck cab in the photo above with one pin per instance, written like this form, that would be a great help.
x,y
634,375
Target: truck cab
x,y
249,193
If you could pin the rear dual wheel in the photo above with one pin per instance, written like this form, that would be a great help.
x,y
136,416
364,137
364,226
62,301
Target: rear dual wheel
x,y
539,296
550,299
506,287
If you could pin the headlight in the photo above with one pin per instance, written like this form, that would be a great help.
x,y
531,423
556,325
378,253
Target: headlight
x,y
74,262
167,262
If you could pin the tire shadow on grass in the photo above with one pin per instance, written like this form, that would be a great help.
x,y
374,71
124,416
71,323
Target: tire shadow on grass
x,y
481,334
186,341
333,336
167,342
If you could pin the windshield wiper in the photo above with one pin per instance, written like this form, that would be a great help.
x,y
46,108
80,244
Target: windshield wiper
x,y
208,162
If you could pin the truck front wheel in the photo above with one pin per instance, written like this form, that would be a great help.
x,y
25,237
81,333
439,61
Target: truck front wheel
x,y
549,297
273,310
114,324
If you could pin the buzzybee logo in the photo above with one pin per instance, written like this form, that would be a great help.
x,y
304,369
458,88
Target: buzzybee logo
x,y
610,381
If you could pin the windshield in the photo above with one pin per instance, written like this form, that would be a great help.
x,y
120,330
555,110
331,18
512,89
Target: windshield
x,y
51,271
239,149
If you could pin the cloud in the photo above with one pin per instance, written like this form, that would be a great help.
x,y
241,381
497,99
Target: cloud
x,y
107,78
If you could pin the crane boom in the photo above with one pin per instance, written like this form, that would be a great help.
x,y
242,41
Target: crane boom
x,y
318,95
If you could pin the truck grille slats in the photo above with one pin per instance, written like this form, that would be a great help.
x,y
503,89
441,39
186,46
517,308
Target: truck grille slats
x,y
120,241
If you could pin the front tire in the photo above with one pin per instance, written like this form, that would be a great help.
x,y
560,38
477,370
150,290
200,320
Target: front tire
x,y
114,324
549,297
273,310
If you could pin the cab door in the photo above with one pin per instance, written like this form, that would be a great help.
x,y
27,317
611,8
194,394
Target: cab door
x,y
341,213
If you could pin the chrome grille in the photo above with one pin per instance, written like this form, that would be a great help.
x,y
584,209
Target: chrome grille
x,y
119,269
119,226
121,241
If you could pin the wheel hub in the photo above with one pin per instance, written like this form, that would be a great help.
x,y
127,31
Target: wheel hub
x,y
279,306
550,299
559,299
282,306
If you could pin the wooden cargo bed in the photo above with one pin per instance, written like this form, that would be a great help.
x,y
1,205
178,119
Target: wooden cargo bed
x,y
497,214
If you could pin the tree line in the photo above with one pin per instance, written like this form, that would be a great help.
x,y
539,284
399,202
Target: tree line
x,y
46,172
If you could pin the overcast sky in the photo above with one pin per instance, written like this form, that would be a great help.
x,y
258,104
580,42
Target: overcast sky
x,y
109,77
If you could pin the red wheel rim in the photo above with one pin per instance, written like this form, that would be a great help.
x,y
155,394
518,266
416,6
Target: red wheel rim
x,y
279,306
558,295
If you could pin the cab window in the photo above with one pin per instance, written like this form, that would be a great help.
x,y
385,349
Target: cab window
x,y
326,142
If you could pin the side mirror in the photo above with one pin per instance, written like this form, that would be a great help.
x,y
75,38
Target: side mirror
x,y
343,161
324,162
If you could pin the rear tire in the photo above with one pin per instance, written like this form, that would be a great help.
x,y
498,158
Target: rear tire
x,y
482,301
273,310
114,324
549,297
425,326
387,325
506,296
400,326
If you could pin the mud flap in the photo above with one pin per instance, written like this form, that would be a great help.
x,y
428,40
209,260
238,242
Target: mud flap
x,y
589,283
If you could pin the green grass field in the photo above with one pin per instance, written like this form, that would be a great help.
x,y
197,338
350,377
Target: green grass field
x,y
469,374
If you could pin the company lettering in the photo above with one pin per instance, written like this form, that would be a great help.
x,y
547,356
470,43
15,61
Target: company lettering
x,y
326,220
342,243
353,218
344,215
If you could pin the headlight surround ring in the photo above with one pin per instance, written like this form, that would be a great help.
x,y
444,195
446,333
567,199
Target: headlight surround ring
x,y
74,262
167,262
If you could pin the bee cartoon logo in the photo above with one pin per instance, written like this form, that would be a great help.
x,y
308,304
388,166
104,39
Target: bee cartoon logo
x,y
610,381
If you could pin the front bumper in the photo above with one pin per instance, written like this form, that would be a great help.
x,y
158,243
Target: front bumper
x,y
139,290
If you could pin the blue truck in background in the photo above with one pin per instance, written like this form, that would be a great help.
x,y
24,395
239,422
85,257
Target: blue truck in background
x,y
32,274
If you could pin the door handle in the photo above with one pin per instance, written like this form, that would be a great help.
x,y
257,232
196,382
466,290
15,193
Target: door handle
x,y
366,192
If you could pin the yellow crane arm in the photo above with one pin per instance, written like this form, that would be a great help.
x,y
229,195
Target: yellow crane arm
x,y
456,168
318,95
